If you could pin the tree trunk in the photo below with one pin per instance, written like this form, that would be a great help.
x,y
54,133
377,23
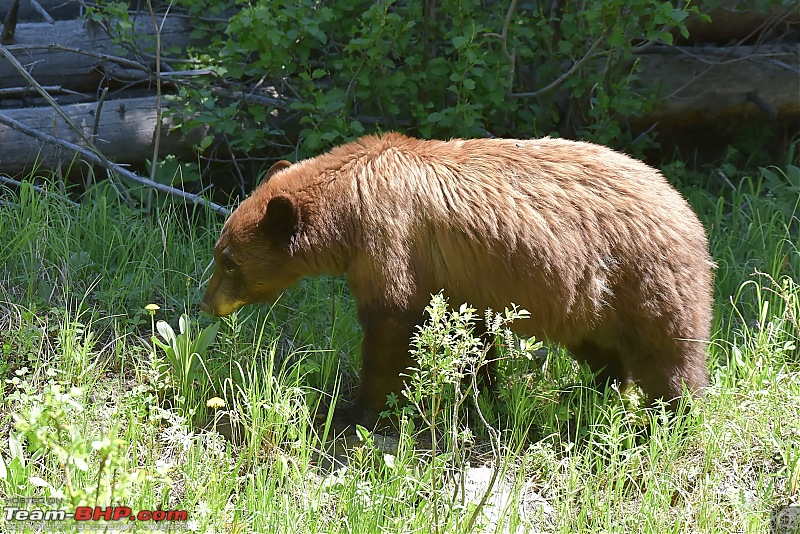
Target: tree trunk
x,y
125,133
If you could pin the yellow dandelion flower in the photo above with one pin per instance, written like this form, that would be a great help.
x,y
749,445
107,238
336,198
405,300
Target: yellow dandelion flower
x,y
215,403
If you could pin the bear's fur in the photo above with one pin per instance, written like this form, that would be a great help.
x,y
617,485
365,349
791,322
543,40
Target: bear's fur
x,y
608,258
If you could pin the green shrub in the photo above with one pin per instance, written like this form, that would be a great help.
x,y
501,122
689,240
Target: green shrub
x,y
443,69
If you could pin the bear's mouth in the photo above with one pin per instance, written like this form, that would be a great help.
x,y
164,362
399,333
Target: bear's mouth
x,y
219,309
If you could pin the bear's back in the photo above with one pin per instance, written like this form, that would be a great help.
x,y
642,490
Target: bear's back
x,y
500,220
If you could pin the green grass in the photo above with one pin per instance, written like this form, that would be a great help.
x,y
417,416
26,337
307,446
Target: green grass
x,y
91,416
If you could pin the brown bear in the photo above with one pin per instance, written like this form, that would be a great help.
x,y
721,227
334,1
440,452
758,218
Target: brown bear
x,y
607,257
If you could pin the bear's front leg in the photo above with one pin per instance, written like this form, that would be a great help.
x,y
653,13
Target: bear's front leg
x,y
384,356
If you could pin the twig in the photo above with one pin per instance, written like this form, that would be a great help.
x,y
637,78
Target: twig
x,y
254,99
763,28
42,11
96,127
635,140
786,66
762,104
112,167
577,65
503,36
726,179
171,76
11,181
235,165
131,45
129,63
734,55
192,72
89,143
157,136
495,441
100,102
22,91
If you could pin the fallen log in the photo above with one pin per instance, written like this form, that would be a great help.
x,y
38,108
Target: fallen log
x,y
698,84
52,53
749,20
125,133
55,9
114,169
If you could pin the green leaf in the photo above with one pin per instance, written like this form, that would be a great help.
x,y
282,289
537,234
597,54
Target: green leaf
x,y
332,106
460,41
15,448
184,323
679,15
160,344
793,175
434,117
617,38
166,331
206,337
312,140
362,433
205,142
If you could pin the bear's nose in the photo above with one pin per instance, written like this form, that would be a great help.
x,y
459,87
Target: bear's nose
x,y
207,308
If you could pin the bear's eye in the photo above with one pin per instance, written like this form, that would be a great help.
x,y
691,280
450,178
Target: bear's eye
x,y
228,264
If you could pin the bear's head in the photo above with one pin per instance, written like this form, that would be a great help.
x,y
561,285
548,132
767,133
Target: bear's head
x,y
253,256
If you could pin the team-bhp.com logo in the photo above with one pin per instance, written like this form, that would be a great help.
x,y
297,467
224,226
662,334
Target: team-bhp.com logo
x,y
115,513
90,515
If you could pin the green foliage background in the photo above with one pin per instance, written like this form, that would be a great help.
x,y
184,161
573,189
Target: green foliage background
x,y
433,69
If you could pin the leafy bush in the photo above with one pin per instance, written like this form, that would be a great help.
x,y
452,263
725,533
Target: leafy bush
x,y
435,69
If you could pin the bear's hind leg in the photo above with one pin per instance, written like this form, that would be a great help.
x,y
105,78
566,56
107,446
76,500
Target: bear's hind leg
x,y
664,373
605,363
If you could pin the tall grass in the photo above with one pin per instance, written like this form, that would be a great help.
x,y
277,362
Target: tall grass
x,y
91,418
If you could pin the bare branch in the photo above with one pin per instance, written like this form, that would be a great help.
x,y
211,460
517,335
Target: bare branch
x,y
128,63
42,11
761,104
112,167
511,57
23,91
157,139
10,24
577,65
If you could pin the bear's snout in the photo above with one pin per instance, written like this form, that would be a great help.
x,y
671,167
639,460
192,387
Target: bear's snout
x,y
218,300
208,308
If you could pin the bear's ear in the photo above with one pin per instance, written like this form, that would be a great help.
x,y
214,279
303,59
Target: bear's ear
x,y
277,166
282,218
